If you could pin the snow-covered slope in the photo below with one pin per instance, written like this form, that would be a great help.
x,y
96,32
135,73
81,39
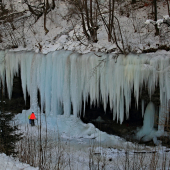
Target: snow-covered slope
x,y
64,30
9,163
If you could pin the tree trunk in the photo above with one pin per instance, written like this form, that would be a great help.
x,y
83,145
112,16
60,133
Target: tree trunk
x,y
111,19
96,27
45,14
168,7
155,13
53,4
133,1
81,8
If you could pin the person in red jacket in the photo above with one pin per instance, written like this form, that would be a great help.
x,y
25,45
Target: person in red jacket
x,y
32,118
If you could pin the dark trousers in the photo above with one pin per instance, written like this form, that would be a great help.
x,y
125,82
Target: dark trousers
x,y
32,122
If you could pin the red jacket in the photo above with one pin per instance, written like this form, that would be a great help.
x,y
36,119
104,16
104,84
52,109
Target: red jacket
x,y
32,116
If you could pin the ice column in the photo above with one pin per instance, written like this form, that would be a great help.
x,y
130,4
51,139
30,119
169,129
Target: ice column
x,y
148,122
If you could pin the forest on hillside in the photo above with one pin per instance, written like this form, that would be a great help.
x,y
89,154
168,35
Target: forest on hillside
x,y
127,25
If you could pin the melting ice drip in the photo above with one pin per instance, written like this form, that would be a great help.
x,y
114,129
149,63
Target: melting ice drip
x,y
65,79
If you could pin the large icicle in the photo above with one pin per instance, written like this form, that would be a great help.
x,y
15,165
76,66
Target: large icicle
x,y
25,66
2,67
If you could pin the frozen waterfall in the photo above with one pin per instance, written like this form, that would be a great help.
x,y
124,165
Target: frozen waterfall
x,y
67,80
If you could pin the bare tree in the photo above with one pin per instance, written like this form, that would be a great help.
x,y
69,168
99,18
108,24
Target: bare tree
x,y
111,19
88,12
167,2
40,9
155,17
112,25
11,20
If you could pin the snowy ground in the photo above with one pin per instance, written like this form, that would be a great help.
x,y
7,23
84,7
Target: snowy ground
x,y
81,143
9,163
82,146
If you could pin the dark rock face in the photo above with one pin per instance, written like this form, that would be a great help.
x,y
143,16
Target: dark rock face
x,y
104,120
16,104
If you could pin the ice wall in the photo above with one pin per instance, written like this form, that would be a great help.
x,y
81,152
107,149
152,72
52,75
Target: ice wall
x,y
65,79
